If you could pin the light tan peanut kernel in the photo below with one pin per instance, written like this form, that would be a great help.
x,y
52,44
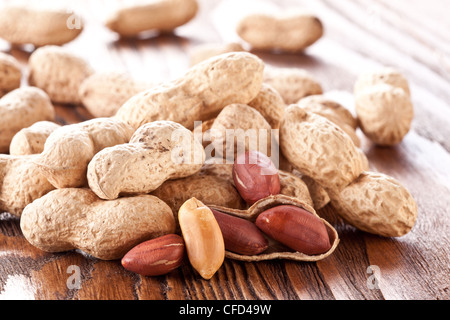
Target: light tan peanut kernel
x,y
319,149
10,73
200,94
21,108
384,75
292,83
69,149
20,183
31,140
202,236
160,15
103,93
378,204
58,72
288,33
239,128
270,104
103,229
21,25
385,113
157,151
204,52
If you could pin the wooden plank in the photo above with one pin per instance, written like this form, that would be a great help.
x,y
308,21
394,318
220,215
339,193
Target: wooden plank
x,y
359,35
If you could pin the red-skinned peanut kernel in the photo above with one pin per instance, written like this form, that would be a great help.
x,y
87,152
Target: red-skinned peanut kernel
x,y
240,236
155,257
255,176
296,228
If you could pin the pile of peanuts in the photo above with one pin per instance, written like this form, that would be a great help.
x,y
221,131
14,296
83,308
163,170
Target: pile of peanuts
x,y
153,176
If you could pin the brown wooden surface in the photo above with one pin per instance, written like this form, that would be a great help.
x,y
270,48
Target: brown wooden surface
x,y
409,35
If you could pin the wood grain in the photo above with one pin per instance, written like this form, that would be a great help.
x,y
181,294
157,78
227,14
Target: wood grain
x,y
411,36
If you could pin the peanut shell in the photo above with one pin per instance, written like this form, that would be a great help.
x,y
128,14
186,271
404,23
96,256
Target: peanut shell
x,y
103,93
385,75
31,140
10,73
292,83
288,33
270,104
20,183
21,108
200,94
59,73
21,25
161,15
319,149
157,151
103,229
385,113
378,204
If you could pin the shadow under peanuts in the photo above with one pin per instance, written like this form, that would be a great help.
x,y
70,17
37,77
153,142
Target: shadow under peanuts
x,y
150,39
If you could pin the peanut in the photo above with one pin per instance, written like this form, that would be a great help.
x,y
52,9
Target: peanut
x,y
207,185
157,151
387,208
292,83
203,238
288,33
29,25
239,128
31,140
270,104
59,73
69,149
304,140
103,229
255,176
290,184
383,75
200,94
296,228
10,73
207,51
155,257
20,109
160,15
20,183
385,113
276,250
340,172
103,93
240,235
333,111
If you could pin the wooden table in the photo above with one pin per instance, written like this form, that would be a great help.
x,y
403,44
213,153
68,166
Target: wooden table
x,y
409,35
